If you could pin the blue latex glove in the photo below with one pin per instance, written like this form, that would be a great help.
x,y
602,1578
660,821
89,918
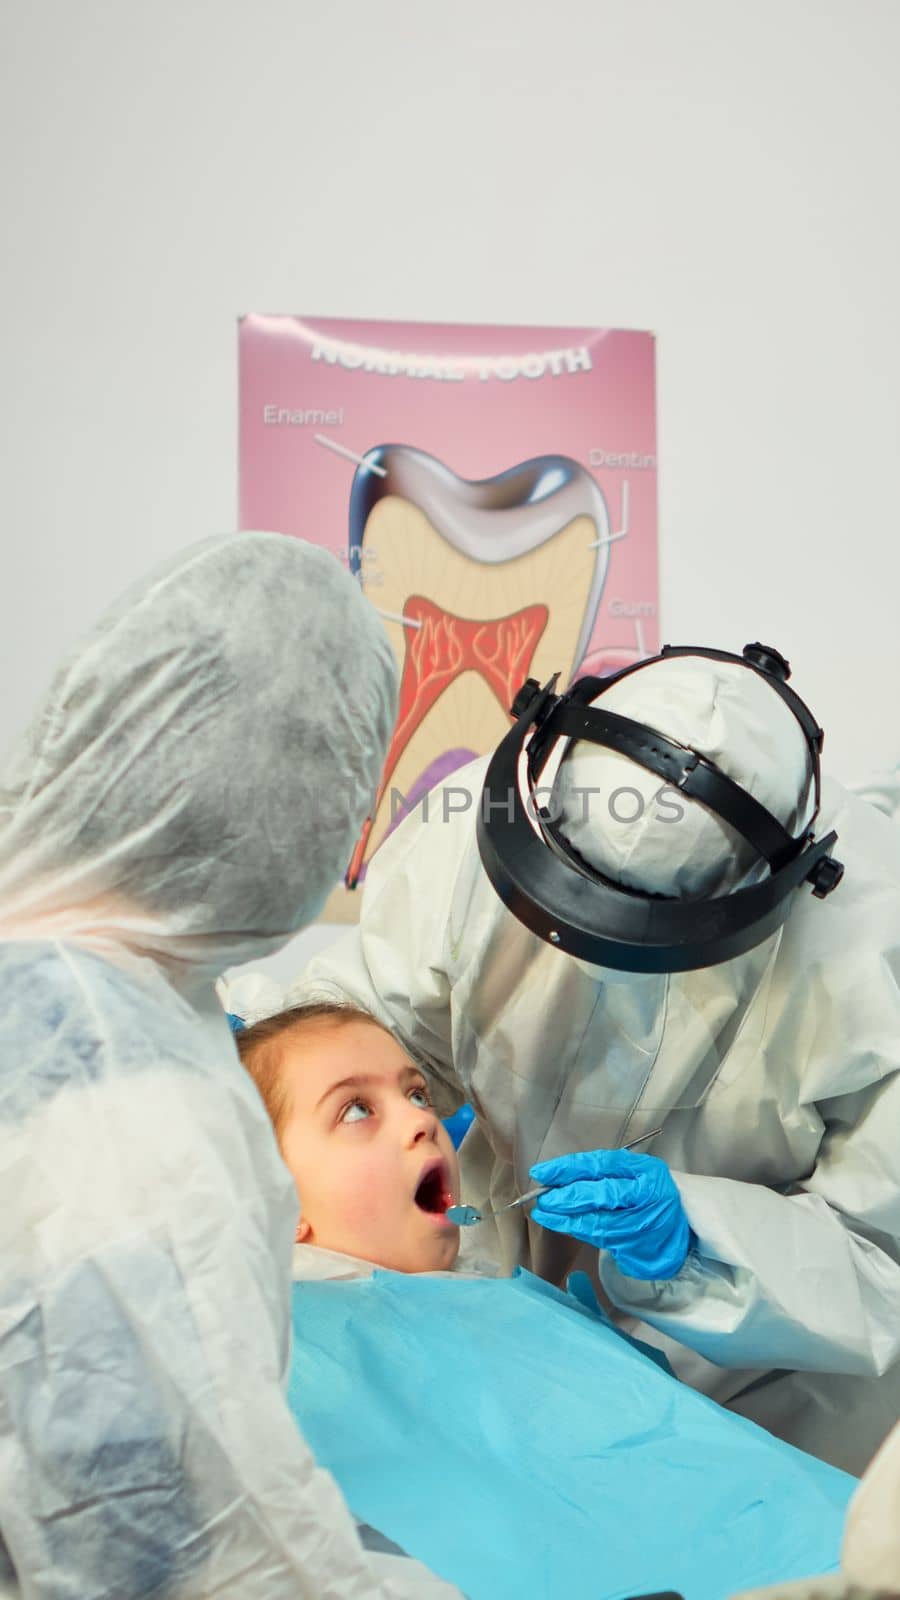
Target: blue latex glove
x,y
619,1201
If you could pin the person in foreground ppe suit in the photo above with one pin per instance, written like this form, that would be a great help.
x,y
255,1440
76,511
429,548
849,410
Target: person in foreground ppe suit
x,y
185,797
756,1237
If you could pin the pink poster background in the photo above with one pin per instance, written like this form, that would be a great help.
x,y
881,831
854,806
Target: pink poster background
x,y
479,423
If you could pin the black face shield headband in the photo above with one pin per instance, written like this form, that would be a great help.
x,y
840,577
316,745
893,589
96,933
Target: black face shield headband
x,y
549,887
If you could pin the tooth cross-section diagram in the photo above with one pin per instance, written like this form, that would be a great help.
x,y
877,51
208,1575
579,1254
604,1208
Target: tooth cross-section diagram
x,y
481,584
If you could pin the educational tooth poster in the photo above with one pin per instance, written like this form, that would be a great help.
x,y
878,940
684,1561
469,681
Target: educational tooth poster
x,y
492,489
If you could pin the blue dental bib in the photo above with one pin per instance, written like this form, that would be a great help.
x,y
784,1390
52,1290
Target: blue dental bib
x,y
507,1435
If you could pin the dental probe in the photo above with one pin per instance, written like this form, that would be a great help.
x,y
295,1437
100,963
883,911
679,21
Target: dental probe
x,y
467,1216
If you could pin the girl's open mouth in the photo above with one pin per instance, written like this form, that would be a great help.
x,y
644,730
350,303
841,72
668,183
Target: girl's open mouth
x,y
433,1194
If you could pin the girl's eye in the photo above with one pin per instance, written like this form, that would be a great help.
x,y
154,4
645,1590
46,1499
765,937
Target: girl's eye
x,y
424,1099
347,1115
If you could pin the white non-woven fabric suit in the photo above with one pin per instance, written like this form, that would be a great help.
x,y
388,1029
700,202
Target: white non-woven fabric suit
x,y
185,797
882,789
774,1075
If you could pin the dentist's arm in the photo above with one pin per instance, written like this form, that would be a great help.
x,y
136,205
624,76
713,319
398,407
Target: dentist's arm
x,y
809,1279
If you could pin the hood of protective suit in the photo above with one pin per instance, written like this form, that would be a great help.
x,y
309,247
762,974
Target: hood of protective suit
x,y
194,782
649,836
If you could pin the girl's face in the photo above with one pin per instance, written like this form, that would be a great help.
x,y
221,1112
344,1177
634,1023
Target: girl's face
x,y
374,1166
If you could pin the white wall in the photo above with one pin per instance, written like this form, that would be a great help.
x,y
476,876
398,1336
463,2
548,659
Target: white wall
x,y
724,174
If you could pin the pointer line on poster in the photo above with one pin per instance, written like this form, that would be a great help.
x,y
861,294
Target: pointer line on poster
x,y
341,450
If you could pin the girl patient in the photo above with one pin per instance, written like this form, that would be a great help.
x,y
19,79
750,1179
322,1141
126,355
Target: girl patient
x,y
443,1397
374,1166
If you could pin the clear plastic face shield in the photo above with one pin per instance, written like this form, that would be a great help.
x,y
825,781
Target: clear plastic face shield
x,y
612,923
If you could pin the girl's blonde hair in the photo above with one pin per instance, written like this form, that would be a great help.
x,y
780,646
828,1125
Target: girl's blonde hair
x,y
260,1046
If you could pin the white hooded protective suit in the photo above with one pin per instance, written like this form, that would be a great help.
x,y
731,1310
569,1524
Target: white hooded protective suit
x,y
882,789
185,797
775,1075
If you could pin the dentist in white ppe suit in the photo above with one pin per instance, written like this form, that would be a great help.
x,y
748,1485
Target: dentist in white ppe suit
x,y
770,1064
185,797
